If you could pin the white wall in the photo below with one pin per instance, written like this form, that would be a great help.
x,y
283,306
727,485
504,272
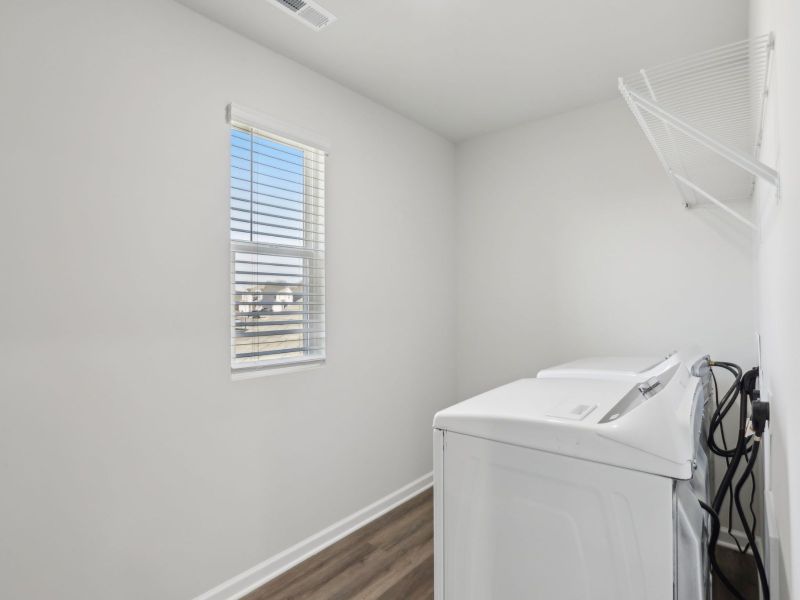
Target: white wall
x,y
572,241
779,282
132,466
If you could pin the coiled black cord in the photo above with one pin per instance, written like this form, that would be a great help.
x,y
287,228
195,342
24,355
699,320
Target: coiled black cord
x,y
722,409
743,389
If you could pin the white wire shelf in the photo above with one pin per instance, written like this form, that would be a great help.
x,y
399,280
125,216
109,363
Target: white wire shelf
x,y
704,117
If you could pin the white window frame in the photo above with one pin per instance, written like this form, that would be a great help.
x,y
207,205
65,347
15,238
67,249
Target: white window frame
x,y
238,115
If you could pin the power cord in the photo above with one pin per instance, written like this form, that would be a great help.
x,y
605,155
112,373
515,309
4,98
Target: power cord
x,y
727,453
743,389
758,421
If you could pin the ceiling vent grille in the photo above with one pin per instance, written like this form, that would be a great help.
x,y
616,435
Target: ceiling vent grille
x,y
293,5
307,12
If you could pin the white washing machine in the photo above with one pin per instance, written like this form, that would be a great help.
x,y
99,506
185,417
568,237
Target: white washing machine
x,y
636,369
559,488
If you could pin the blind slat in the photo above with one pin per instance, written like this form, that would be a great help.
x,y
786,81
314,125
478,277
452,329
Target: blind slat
x,y
299,181
266,234
302,321
302,349
256,181
267,214
247,334
264,318
311,214
249,190
244,261
299,159
276,274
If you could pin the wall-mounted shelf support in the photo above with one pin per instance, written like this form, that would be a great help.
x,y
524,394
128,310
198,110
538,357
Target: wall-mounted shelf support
x,y
704,116
711,198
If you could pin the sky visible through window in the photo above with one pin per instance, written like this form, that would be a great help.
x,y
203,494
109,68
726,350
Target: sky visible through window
x,y
267,182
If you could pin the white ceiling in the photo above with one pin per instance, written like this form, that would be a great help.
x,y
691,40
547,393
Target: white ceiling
x,y
465,67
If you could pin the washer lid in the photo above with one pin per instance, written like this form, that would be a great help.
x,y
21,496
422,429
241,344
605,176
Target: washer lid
x,y
646,428
612,367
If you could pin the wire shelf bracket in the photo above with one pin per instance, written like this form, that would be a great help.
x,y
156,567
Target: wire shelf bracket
x,y
704,116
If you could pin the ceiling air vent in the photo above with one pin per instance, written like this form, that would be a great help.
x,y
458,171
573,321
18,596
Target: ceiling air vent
x,y
308,12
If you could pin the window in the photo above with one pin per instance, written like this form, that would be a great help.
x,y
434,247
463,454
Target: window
x,y
277,232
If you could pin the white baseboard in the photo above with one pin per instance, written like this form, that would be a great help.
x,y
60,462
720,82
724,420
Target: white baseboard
x,y
772,558
246,582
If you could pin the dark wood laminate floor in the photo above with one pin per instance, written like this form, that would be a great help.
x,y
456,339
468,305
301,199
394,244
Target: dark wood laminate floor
x,y
392,559
741,570
388,559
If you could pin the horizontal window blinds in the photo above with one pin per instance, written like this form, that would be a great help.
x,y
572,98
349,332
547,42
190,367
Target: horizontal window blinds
x,y
277,230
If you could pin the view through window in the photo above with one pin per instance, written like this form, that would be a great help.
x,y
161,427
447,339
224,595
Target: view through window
x,y
277,235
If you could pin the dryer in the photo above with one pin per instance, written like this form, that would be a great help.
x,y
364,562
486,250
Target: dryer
x,y
575,488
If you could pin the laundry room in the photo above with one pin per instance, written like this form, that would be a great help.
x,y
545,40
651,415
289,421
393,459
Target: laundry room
x,y
380,300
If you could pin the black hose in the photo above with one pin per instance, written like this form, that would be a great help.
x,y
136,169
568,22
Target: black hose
x,y
722,408
712,551
762,573
727,452
743,389
741,446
